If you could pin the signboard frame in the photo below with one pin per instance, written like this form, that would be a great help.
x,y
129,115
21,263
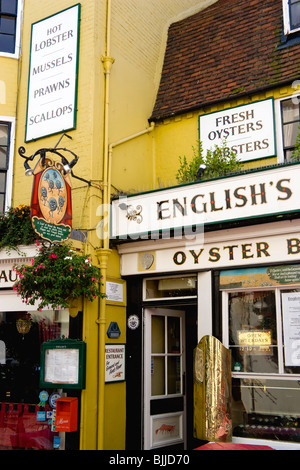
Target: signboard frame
x,y
61,346
69,83
253,122
209,202
111,362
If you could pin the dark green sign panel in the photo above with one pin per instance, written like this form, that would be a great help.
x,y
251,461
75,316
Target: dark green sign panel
x,y
51,232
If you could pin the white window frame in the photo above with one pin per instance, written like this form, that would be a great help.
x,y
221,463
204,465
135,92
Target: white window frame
x,y
278,120
17,52
9,174
286,19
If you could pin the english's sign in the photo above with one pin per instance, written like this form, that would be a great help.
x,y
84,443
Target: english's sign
x,y
53,74
255,194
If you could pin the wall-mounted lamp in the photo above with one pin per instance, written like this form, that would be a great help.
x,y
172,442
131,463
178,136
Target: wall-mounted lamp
x,y
28,170
201,170
68,166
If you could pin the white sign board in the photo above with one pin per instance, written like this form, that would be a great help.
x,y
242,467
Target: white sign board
x,y
195,255
62,366
255,194
51,101
248,130
291,328
114,362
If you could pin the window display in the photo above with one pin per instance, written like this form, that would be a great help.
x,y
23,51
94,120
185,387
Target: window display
x,y
252,331
263,333
25,416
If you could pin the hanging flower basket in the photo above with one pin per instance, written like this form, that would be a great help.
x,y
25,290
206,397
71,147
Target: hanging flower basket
x,y
56,277
16,228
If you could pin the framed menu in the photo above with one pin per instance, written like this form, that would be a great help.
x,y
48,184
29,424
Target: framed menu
x,y
63,364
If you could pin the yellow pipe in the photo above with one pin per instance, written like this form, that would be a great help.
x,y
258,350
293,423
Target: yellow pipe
x,y
103,253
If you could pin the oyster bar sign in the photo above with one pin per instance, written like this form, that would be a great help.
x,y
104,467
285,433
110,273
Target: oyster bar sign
x,y
254,194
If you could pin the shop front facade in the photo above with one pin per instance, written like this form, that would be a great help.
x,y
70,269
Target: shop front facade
x,y
219,256
239,284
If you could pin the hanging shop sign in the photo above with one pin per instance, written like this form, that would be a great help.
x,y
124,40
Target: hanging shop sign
x,y
247,130
52,88
259,193
51,208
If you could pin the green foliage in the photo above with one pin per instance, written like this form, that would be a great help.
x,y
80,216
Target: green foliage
x,y
219,162
16,228
57,276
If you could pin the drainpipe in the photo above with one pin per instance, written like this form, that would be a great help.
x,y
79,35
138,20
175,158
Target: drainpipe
x,y
104,252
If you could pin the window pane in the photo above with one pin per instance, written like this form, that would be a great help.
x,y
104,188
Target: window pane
x,y
3,134
174,375
1,203
253,332
295,14
7,25
2,182
290,133
290,111
7,43
3,158
157,376
266,409
9,6
158,334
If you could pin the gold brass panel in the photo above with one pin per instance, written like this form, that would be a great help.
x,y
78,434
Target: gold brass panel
x,y
212,391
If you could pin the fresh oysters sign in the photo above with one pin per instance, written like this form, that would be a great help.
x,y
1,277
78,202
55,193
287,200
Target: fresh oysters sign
x,y
51,211
248,130
51,104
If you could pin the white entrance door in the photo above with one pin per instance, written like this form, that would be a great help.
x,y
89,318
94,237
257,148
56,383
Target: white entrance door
x,y
164,378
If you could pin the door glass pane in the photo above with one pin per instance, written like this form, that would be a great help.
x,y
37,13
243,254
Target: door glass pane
x,y
158,334
174,375
171,287
157,375
173,335
253,332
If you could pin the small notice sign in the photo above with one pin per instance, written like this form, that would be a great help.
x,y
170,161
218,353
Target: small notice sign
x,y
114,362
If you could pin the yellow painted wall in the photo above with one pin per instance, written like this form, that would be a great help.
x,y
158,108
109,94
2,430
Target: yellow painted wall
x,y
138,38
176,136
8,86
